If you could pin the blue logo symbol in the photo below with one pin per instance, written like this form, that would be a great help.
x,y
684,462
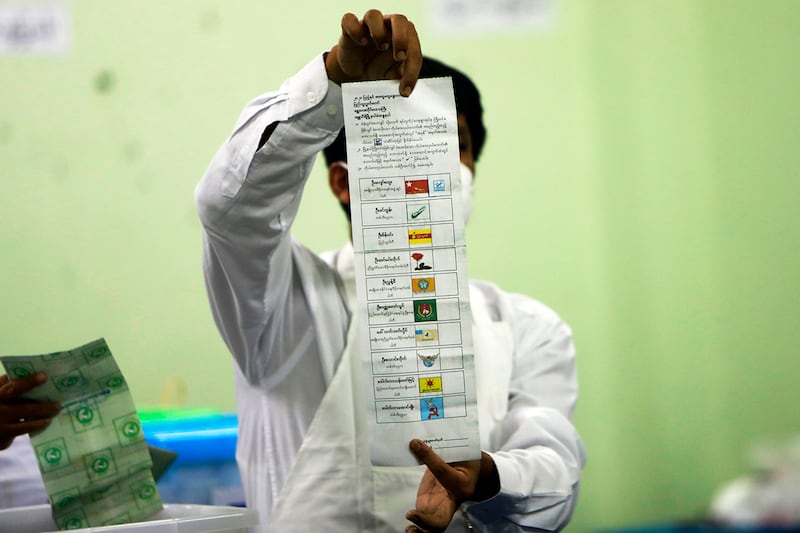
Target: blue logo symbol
x,y
438,186
432,408
428,359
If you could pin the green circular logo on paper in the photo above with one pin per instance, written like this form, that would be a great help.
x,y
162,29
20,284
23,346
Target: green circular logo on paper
x,y
73,523
52,455
147,492
115,382
130,429
85,415
100,465
66,500
97,352
21,372
68,382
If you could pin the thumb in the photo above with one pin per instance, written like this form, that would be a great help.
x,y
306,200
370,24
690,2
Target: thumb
x,y
446,474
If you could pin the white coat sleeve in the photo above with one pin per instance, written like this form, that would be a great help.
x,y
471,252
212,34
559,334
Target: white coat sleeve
x,y
247,201
539,454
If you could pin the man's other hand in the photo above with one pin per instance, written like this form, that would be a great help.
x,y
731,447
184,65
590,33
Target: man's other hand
x,y
445,486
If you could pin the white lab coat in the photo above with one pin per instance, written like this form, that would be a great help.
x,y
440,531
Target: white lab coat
x,y
20,480
284,315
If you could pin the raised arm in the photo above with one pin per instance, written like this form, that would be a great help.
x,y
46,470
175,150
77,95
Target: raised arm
x,y
247,202
250,193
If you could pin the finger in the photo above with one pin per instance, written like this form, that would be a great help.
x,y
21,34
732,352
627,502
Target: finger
x,y
416,517
399,25
376,26
15,430
413,63
419,522
424,522
28,411
18,387
353,32
447,475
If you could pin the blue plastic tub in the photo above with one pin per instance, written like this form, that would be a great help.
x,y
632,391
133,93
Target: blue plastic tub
x,y
199,439
205,471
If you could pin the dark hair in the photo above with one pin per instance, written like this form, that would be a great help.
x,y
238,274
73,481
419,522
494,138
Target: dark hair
x,y
468,102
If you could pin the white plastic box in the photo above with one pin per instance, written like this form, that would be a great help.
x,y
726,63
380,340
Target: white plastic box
x,y
174,518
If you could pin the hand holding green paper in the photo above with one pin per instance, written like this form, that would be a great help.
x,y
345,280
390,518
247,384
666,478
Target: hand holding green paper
x,y
93,457
19,415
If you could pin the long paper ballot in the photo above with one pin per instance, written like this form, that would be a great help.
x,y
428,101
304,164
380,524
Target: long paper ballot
x,y
411,269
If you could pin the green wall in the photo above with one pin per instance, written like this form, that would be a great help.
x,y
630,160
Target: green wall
x,y
640,177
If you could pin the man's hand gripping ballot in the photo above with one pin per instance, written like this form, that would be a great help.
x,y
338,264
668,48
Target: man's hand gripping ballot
x,y
377,47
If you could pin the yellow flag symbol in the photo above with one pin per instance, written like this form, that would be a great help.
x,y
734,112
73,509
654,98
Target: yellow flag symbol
x,y
430,384
419,236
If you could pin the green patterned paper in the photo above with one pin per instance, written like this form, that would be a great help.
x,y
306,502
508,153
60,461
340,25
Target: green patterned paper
x,y
93,457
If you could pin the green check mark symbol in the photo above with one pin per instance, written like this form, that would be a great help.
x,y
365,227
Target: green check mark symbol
x,y
418,212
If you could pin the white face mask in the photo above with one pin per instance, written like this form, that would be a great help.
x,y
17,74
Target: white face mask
x,y
466,191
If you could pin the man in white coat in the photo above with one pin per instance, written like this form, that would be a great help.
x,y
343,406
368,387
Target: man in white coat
x,y
284,314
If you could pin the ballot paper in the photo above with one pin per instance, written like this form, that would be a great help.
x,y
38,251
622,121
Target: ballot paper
x,y
93,456
411,269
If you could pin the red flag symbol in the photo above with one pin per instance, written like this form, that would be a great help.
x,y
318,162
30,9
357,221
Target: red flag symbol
x,y
417,186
